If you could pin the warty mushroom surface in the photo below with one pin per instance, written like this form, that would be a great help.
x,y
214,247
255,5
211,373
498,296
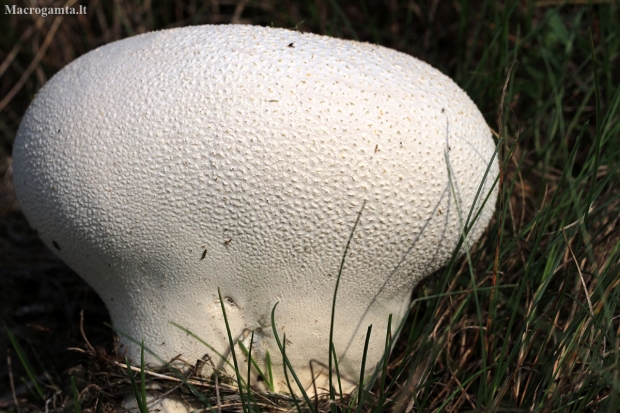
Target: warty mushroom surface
x,y
166,165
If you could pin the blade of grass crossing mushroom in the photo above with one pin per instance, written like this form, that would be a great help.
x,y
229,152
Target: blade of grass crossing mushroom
x,y
221,356
268,361
135,341
141,407
232,351
360,388
386,359
173,370
469,223
142,376
286,360
288,382
455,195
268,380
249,380
25,363
332,396
337,371
140,393
76,396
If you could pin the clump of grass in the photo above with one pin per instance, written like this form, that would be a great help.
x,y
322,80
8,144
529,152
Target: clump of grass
x,y
529,320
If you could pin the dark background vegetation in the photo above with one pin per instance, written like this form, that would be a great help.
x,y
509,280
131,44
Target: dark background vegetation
x,y
549,100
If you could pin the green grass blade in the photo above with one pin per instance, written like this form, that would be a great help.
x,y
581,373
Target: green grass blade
x,y
251,401
76,396
249,363
142,376
217,353
386,359
232,351
460,388
333,313
288,382
270,370
163,362
268,380
286,360
344,18
598,121
360,389
141,402
25,363
337,371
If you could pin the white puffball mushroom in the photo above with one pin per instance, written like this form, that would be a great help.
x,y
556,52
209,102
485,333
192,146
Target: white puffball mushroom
x,y
163,166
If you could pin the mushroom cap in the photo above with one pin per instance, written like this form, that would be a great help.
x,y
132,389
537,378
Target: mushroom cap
x,y
163,166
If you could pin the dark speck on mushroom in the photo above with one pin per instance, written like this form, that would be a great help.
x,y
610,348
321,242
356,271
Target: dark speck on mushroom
x,y
291,45
55,244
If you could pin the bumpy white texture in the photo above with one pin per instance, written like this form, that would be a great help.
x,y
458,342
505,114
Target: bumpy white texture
x,y
169,164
